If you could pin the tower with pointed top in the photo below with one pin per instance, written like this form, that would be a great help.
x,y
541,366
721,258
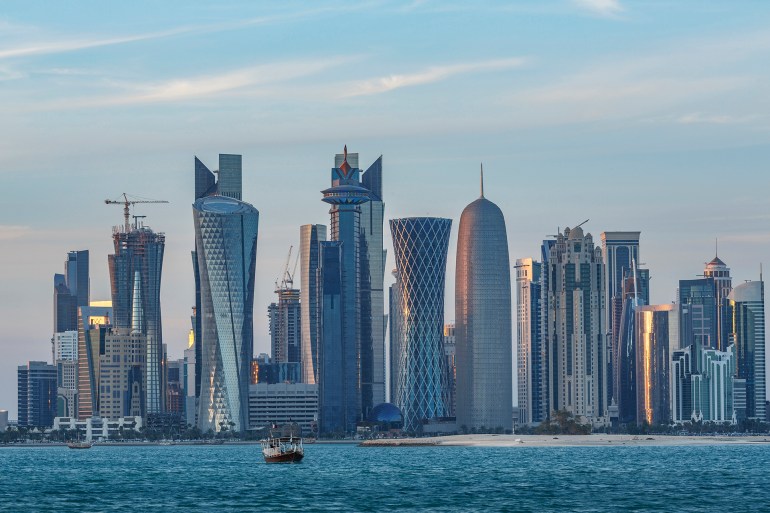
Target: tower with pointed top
x,y
723,283
483,330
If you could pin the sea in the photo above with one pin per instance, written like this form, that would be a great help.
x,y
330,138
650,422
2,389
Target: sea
x,y
234,478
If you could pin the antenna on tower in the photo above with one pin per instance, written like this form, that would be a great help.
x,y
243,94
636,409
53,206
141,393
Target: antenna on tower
x,y
482,179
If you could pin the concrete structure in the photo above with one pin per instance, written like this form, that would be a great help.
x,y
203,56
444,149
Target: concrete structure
x,y
746,329
66,388
36,394
283,403
310,236
224,267
285,325
66,345
122,374
483,319
575,335
93,326
99,429
420,245
529,341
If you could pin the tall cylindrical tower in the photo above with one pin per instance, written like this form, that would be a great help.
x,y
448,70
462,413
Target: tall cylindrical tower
x,y
483,320
420,245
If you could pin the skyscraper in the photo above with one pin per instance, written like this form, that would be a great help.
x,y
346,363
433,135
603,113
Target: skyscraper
x,y
71,290
657,336
528,320
619,251
420,245
36,394
483,319
346,195
394,307
746,323
93,326
723,284
697,299
140,250
575,332
225,265
310,236
285,334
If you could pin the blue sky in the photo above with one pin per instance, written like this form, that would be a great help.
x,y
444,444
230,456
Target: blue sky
x,y
640,115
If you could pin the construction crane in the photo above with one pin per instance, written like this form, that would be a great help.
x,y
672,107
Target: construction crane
x,y
127,203
286,280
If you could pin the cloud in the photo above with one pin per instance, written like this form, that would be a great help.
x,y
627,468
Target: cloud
x,y
713,119
180,89
604,8
429,75
10,232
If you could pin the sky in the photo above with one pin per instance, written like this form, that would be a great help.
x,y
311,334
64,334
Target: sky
x,y
638,115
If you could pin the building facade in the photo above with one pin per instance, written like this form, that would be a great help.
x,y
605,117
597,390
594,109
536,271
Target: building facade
x,y
624,375
657,335
483,327
723,285
36,394
225,252
420,245
529,347
122,375
574,331
450,353
284,403
310,236
94,323
285,326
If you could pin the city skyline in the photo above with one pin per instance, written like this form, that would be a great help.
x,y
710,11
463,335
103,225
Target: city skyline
x,y
658,139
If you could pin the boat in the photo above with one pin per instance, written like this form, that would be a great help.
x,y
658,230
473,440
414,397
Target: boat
x,y
283,449
80,445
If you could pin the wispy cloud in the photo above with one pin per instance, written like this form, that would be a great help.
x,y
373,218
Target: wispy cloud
x,y
10,232
604,8
429,75
697,118
202,86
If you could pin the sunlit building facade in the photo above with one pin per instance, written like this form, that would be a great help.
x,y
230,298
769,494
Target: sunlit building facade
x,y
420,245
310,237
529,347
225,251
657,334
483,329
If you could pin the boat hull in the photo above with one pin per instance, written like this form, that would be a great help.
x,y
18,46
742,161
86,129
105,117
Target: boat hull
x,y
287,457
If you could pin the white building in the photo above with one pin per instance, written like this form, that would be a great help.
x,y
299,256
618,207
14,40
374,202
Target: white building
x,y
282,403
98,428
66,344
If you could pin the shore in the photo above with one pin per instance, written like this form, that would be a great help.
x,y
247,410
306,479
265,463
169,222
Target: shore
x,y
598,440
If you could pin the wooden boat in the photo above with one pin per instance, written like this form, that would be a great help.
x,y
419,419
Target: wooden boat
x,y
80,445
283,449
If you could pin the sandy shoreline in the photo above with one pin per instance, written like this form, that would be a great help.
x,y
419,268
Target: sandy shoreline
x,y
568,441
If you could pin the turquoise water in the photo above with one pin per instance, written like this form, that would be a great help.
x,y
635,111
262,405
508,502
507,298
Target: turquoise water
x,y
350,478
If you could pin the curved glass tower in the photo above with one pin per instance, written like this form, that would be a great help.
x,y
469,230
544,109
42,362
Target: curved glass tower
x,y
226,252
483,319
420,245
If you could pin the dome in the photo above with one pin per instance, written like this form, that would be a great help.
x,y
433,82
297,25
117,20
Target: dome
x,y
576,233
385,412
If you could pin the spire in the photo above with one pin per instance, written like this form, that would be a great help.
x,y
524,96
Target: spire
x,y
482,179
345,167
716,247
136,307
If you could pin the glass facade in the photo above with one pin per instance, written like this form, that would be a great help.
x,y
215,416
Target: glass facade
x,y
529,349
698,302
483,331
140,250
657,333
420,245
36,394
310,236
226,246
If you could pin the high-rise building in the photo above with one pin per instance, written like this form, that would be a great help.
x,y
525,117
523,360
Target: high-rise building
x,y
310,236
345,197
66,388
697,299
450,353
122,370
723,285
338,403
624,391
420,245
36,394
175,395
394,307
139,252
529,348
225,265
373,319
574,328
66,345
94,322
71,290
190,407
657,336
483,319
712,394
619,251
746,325
285,326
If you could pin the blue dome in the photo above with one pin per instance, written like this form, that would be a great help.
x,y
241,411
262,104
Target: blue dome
x,y
385,412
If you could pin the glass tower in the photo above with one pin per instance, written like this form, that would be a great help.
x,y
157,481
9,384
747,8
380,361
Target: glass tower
x,y
36,394
483,319
529,367
225,252
140,250
657,334
420,245
310,237
71,290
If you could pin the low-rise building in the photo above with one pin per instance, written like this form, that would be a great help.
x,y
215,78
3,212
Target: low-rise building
x,y
98,428
282,403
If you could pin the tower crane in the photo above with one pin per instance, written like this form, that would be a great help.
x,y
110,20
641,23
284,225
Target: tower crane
x,y
286,278
127,203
